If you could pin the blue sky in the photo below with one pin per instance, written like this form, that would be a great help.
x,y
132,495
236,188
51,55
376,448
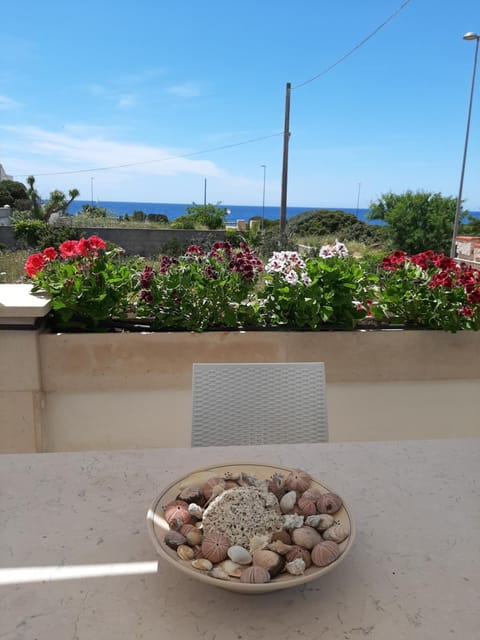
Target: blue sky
x,y
102,83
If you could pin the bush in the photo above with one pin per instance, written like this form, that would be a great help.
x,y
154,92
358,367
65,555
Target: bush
x,y
338,224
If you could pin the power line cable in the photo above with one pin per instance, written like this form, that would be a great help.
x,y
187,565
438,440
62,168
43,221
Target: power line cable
x,y
355,48
168,158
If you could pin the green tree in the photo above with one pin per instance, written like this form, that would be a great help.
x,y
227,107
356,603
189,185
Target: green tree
x,y
325,222
202,215
14,194
57,202
416,221
93,211
471,227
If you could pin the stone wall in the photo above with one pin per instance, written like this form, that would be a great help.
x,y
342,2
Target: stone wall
x,y
145,242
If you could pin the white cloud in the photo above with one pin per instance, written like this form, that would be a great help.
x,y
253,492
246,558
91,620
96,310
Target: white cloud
x,y
7,103
185,90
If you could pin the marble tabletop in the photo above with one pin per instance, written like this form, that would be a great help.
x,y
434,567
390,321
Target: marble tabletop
x,y
77,563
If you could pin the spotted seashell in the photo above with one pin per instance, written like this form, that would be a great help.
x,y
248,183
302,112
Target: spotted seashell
x,y
307,505
184,552
329,503
306,537
292,521
232,475
338,533
287,502
177,510
192,494
276,485
215,546
325,553
299,552
296,567
270,560
174,539
326,521
195,510
202,564
211,486
298,480
231,568
255,575
239,554
282,535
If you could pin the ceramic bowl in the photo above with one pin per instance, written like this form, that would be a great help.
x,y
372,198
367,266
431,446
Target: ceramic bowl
x,y
157,527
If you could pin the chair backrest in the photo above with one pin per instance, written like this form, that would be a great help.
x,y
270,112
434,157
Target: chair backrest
x,y
258,403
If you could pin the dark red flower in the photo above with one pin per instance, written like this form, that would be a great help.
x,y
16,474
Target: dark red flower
x,y
195,250
466,311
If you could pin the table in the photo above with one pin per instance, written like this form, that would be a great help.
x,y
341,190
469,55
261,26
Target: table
x,y
413,572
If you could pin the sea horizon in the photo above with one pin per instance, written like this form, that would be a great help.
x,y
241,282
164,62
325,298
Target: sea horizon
x,y
235,212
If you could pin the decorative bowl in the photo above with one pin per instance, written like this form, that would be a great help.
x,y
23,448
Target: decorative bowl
x,y
157,528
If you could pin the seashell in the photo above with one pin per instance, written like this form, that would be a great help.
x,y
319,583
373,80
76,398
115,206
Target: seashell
x,y
329,503
215,546
325,553
195,510
276,485
178,509
239,554
283,535
279,547
313,521
312,493
197,549
176,524
338,533
306,537
192,494
194,537
258,541
287,502
202,564
296,567
269,560
209,487
292,521
186,528
248,480
231,568
218,572
174,539
326,521
184,552
231,484
307,505
232,475
299,552
298,480
255,575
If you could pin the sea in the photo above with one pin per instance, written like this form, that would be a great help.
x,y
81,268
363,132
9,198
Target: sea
x,y
235,212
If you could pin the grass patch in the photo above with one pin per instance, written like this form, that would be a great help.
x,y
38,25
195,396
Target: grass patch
x,y
12,266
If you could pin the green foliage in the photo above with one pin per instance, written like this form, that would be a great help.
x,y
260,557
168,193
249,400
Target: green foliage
x,y
57,202
338,224
37,234
199,215
416,221
28,232
159,218
87,283
471,227
200,290
93,211
428,290
14,194
139,216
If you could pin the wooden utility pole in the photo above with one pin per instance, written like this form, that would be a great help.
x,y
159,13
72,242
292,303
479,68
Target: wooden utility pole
x,y
286,137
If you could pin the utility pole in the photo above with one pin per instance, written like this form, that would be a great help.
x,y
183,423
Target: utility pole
x,y
205,194
286,137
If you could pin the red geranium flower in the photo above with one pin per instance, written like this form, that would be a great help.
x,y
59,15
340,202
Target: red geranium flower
x,y
35,263
69,249
50,253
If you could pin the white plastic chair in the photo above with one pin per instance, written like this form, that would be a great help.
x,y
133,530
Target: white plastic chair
x,y
258,403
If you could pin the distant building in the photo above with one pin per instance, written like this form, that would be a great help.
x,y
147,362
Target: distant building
x,y
3,175
4,215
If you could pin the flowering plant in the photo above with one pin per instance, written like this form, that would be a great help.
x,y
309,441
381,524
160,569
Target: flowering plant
x,y
201,289
305,294
428,289
86,283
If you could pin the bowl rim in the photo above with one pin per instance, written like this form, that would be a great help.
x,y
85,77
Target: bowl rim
x,y
282,582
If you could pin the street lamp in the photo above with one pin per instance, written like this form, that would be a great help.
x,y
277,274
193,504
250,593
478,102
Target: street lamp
x,y
263,197
467,36
91,189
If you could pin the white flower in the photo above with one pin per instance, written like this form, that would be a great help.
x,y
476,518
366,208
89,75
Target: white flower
x,y
326,251
306,280
291,277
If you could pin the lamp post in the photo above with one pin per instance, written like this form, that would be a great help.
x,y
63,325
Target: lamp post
x,y
91,189
263,195
467,36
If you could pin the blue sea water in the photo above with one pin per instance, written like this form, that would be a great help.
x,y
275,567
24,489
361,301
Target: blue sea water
x,y
172,211
236,212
